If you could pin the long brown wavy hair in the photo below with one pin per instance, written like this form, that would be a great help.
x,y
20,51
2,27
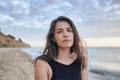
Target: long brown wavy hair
x,y
51,48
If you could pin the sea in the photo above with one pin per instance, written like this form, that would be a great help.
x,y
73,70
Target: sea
x,y
101,60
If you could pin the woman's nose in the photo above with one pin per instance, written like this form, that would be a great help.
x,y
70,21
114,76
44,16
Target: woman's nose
x,y
65,34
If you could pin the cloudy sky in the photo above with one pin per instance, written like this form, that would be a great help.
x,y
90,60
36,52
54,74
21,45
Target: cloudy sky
x,y
98,21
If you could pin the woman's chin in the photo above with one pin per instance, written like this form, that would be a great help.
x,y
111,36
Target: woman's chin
x,y
66,46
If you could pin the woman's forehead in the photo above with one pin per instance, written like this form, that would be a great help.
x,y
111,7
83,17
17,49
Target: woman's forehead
x,y
62,25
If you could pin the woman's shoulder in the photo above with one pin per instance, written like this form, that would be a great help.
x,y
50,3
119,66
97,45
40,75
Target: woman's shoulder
x,y
42,69
41,63
40,57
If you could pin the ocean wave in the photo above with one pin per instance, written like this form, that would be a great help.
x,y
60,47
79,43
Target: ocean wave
x,y
105,71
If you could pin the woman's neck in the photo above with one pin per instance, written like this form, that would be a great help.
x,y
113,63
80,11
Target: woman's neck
x,y
65,57
64,54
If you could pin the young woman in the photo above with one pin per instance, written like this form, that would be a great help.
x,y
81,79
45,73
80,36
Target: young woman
x,y
64,57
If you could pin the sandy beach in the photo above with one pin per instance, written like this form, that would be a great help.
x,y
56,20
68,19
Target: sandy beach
x,y
13,59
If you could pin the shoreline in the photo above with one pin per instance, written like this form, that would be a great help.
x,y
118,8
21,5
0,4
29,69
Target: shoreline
x,y
91,75
95,76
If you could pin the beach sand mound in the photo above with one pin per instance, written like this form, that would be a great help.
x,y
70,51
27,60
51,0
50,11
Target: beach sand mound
x,y
15,65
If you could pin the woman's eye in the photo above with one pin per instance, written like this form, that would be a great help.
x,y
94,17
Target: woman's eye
x,y
59,31
69,30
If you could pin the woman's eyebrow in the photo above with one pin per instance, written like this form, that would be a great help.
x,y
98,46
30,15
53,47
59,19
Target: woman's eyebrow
x,y
59,29
62,28
69,28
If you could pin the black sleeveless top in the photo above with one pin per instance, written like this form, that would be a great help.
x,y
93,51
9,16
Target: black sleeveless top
x,y
65,72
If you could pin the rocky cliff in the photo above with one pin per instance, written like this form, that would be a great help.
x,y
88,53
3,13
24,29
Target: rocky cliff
x,y
10,41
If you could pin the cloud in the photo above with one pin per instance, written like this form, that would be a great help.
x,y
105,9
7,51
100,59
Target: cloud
x,y
5,18
93,18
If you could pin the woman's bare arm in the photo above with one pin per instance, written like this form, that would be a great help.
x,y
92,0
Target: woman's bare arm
x,y
41,70
85,71
85,74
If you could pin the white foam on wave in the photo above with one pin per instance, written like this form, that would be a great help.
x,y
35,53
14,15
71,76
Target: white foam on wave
x,y
113,66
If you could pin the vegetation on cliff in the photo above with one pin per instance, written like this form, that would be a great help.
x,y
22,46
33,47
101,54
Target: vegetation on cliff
x,y
10,41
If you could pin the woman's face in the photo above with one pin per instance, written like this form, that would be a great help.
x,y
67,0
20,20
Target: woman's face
x,y
63,35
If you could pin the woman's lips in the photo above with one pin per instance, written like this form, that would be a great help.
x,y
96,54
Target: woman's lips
x,y
66,40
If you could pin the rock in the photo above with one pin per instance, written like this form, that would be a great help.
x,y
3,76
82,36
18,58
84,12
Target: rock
x,y
10,41
15,65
